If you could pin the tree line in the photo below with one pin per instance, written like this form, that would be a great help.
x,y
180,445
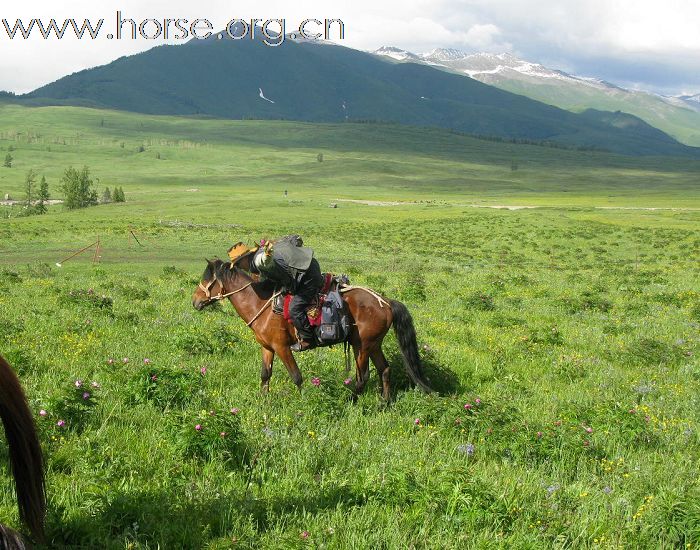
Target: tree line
x,y
76,185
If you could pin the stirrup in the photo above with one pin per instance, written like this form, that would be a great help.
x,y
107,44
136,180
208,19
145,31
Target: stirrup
x,y
303,345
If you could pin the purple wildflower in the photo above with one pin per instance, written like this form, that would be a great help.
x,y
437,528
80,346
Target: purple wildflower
x,y
316,381
467,449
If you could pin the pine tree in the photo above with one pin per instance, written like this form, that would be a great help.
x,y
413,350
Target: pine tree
x,y
77,188
29,183
118,195
106,196
43,196
8,161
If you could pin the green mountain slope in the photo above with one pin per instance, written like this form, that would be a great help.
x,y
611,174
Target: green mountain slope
x,y
678,117
326,83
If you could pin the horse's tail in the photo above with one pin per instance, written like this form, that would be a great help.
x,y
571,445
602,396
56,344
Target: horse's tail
x,y
25,451
406,335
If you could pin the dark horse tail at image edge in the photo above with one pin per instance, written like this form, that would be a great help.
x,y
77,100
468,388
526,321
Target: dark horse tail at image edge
x,y
406,336
25,458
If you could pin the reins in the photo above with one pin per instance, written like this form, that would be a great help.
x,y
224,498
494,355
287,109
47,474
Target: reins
x,y
220,296
267,304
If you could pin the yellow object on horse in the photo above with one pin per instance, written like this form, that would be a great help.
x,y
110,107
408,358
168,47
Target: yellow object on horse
x,y
238,250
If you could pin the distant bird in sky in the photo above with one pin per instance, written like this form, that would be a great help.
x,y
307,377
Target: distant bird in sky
x,y
262,95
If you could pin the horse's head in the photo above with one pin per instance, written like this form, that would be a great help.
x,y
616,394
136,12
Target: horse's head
x,y
209,288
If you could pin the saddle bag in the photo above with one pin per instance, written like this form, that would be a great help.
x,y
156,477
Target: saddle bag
x,y
335,322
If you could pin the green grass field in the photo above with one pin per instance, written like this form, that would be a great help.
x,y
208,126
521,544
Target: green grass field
x,y
564,340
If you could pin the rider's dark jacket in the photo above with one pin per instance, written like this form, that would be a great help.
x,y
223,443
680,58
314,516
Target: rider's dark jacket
x,y
288,266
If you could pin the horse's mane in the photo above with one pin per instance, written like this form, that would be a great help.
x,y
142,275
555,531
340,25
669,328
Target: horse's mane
x,y
226,272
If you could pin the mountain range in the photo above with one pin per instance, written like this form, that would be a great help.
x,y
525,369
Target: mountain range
x,y
323,82
678,116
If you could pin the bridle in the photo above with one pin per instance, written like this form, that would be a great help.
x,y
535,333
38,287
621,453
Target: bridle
x,y
210,299
207,290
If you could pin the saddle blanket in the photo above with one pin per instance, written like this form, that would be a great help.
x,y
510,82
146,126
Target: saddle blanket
x,y
313,312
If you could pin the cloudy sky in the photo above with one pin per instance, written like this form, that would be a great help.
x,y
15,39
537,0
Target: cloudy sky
x,y
638,43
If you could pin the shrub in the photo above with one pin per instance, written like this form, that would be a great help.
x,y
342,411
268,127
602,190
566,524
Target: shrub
x,y
86,298
210,434
480,301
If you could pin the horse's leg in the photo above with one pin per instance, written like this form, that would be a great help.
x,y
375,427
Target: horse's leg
x,y
362,365
268,356
285,354
383,370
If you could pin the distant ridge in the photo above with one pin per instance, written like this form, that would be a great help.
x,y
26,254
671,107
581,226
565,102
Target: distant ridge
x,y
677,116
320,82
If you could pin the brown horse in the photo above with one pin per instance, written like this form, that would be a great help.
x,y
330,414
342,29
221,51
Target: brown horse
x,y
370,314
25,459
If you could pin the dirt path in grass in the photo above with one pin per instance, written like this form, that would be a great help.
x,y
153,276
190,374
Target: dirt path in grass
x,y
521,206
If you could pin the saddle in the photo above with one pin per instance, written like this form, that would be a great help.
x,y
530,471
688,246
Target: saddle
x,y
280,305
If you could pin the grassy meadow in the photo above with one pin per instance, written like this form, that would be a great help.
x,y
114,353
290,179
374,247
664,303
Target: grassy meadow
x,y
563,339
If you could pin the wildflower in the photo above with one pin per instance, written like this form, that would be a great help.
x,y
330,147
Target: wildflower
x,y
347,381
316,381
78,383
553,488
304,535
203,371
558,423
95,385
86,395
468,406
234,410
539,434
42,412
212,413
198,427
125,360
467,449
417,421
607,490
146,361
153,378
477,401
61,423
110,361
588,429
223,434
586,443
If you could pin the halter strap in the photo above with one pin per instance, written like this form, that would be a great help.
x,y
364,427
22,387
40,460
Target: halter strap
x,y
219,296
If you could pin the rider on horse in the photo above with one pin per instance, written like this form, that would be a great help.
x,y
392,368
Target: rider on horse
x,y
293,267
